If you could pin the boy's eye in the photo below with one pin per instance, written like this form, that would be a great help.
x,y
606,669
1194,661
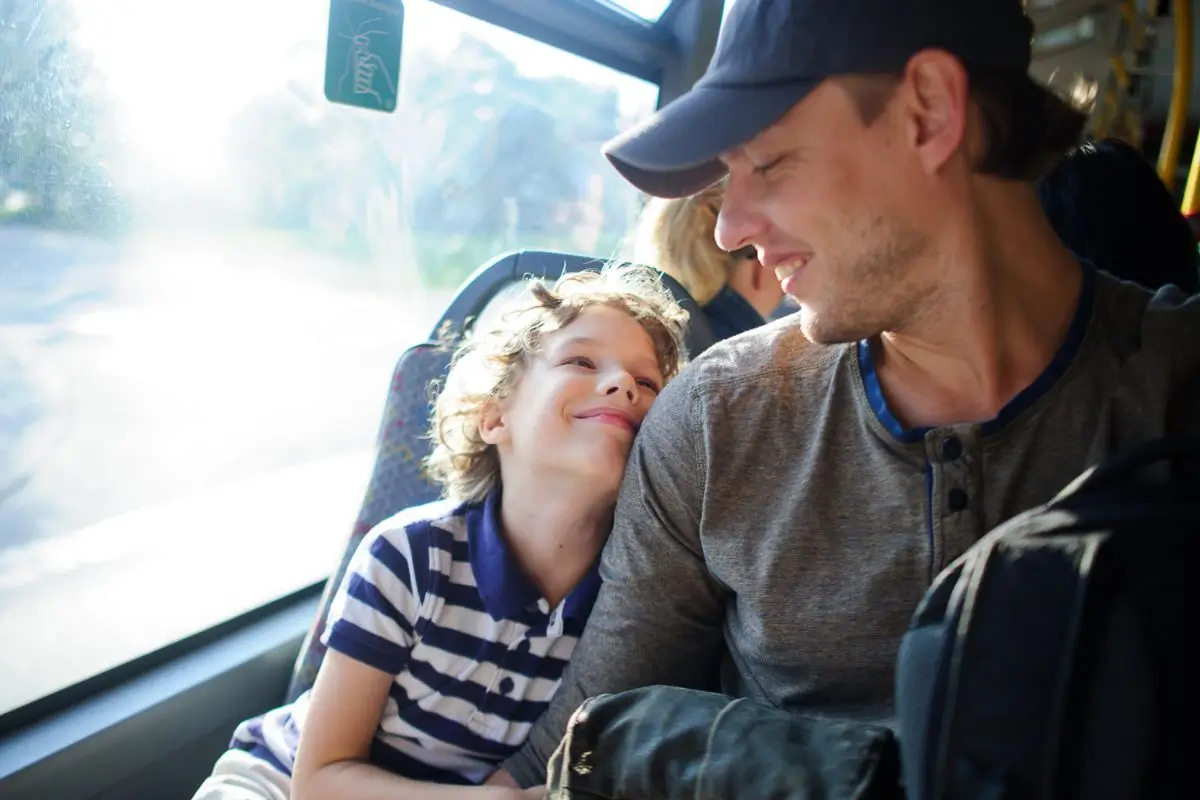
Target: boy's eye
x,y
649,384
579,361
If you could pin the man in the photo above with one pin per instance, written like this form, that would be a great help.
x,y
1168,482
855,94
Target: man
x,y
793,492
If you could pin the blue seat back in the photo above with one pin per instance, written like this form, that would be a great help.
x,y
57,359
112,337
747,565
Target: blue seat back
x,y
397,481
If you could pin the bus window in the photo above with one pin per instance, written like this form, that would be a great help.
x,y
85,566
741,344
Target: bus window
x,y
646,9
207,272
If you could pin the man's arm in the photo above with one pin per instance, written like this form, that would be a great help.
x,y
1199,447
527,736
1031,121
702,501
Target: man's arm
x,y
658,618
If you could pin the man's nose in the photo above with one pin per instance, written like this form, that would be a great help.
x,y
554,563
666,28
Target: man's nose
x,y
738,223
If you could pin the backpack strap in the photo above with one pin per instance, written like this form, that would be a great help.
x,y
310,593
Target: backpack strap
x,y
1018,637
1176,448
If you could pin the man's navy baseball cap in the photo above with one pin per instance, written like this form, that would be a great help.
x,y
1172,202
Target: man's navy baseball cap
x,y
771,53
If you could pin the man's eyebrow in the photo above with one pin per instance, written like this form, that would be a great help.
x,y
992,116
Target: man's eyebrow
x,y
732,153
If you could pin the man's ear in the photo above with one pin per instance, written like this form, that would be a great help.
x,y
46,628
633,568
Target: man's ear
x,y
493,425
937,106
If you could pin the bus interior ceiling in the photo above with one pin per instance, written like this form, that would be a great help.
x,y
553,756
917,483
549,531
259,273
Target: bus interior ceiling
x,y
1132,61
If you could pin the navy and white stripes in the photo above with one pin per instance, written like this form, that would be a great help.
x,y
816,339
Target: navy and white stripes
x,y
434,597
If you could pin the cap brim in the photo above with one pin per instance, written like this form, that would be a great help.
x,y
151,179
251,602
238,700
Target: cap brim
x,y
674,152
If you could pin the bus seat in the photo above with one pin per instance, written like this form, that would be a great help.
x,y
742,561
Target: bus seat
x,y
397,481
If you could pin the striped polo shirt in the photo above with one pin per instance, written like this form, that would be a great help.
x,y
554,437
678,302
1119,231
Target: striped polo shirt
x,y
434,597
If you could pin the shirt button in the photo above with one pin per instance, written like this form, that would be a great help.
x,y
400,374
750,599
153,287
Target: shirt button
x,y
951,448
506,685
957,500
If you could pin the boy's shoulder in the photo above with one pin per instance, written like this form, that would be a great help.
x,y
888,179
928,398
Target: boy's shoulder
x,y
441,521
417,544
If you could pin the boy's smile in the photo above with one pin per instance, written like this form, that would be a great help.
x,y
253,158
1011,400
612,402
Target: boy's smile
x,y
580,402
611,416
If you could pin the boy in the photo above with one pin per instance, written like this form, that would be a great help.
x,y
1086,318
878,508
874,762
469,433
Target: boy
x,y
456,619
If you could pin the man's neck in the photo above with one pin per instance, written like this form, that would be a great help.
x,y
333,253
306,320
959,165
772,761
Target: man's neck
x,y
554,537
996,328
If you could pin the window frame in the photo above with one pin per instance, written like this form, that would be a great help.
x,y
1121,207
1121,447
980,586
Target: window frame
x,y
93,736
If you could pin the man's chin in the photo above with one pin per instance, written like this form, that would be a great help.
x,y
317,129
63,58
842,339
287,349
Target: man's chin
x,y
821,329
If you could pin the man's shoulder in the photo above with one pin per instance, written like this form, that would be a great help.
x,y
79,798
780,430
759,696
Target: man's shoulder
x,y
1172,316
1161,329
745,377
740,386
771,355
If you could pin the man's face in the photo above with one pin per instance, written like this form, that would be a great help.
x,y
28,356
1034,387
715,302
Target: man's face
x,y
833,206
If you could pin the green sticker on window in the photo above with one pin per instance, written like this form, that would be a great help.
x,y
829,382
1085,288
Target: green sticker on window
x,y
362,55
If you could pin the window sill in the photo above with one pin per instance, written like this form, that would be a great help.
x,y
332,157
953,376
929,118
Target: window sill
x,y
110,736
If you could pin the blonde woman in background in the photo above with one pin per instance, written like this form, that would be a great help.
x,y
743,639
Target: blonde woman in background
x,y
676,236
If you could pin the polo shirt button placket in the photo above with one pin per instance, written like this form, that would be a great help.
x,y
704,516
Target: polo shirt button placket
x,y
957,500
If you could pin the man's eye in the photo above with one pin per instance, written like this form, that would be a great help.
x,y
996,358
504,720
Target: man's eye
x,y
768,166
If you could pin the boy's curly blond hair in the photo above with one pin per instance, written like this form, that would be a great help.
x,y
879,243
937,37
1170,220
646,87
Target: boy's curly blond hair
x,y
489,363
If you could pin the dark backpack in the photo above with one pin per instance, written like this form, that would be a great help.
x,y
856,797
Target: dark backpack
x,y
1054,658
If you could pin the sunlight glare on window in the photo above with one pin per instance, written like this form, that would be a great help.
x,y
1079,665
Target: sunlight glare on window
x,y
207,274
646,9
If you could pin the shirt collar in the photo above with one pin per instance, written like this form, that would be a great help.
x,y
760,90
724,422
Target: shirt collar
x,y
505,589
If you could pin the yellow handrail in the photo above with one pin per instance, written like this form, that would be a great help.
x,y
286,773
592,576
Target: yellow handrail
x,y
1191,191
1191,201
1181,92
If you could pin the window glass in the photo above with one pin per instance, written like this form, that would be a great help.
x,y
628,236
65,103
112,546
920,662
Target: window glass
x,y
1072,34
646,9
207,272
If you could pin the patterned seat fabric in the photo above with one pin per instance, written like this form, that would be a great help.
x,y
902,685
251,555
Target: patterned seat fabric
x,y
397,481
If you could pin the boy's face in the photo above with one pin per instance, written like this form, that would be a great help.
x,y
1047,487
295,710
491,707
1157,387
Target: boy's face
x,y
582,398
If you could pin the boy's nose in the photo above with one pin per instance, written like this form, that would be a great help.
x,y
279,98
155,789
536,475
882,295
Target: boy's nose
x,y
623,382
